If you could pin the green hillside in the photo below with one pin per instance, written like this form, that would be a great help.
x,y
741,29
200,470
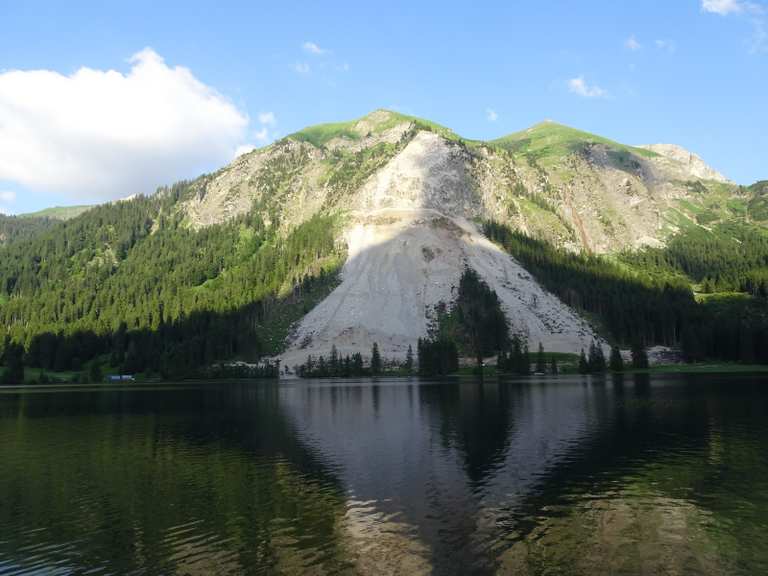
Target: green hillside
x,y
156,294
142,285
552,141
58,212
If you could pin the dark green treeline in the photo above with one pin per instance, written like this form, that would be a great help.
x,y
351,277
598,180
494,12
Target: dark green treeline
x,y
134,280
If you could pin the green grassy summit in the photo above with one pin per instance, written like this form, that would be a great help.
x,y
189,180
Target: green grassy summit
x,y
376,122
548,140
58,212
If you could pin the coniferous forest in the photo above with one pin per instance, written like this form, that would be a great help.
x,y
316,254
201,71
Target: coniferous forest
x,y
133,285
647,297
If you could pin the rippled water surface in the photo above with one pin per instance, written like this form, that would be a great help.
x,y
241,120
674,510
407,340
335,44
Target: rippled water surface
x,y
569,476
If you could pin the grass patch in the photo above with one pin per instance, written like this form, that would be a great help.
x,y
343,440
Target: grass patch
x,y
702,368
549,140
58,212
321,134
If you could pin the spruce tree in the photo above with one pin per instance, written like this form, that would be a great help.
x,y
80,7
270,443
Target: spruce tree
x,y
596,358
13,359
409,360
375,360
334,361
94,372
540,362
583,364
525,361
617,362
357,364
639,357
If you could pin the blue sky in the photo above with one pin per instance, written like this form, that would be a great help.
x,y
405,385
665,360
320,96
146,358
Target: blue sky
x,y
690,72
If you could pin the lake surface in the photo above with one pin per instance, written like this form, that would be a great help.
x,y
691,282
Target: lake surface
x,y
667,475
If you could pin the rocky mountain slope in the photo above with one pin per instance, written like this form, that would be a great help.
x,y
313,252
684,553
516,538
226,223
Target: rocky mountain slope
x,y
352,233
410,192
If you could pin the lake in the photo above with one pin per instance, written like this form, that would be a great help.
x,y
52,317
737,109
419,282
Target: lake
x,y
641,475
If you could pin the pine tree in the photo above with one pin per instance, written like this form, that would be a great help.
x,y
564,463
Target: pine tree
x,y
540,362
639,357
596,358
357,364
334,361
13,359
501,361
375,360
94,372
616,362
409,360
525,361
553,366
583,364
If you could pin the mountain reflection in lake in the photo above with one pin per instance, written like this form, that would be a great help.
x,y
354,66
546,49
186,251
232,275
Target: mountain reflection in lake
x,y
573,476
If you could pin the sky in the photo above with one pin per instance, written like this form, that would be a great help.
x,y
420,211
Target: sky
x,y
102,100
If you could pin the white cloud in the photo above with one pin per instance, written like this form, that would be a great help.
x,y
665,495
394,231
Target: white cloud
x,y
724,7
491,115
666,45
312,48
579,86
631,43
301,67
244,149
756,12
103,134
267,118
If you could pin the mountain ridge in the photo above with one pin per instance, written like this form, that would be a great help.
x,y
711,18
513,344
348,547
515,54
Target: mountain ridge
x,y
353,233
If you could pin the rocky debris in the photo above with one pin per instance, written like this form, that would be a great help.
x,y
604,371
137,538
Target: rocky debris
x,y
388,289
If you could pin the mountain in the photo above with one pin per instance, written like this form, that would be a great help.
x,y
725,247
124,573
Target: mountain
x,y
352,233
24,226
58,212
573,188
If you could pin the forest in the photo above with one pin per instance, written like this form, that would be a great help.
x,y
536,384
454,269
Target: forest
x,y
132,286
145,292
646,298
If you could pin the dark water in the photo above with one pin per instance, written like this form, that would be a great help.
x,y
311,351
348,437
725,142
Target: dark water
x,y
667,476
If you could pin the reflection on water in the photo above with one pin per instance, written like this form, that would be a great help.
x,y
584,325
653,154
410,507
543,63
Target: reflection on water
x,y
575,476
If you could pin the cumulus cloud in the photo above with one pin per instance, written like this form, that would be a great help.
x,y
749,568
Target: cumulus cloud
x,y
491,115
631,43
312,48
724,7
756,12
579,86
103,134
